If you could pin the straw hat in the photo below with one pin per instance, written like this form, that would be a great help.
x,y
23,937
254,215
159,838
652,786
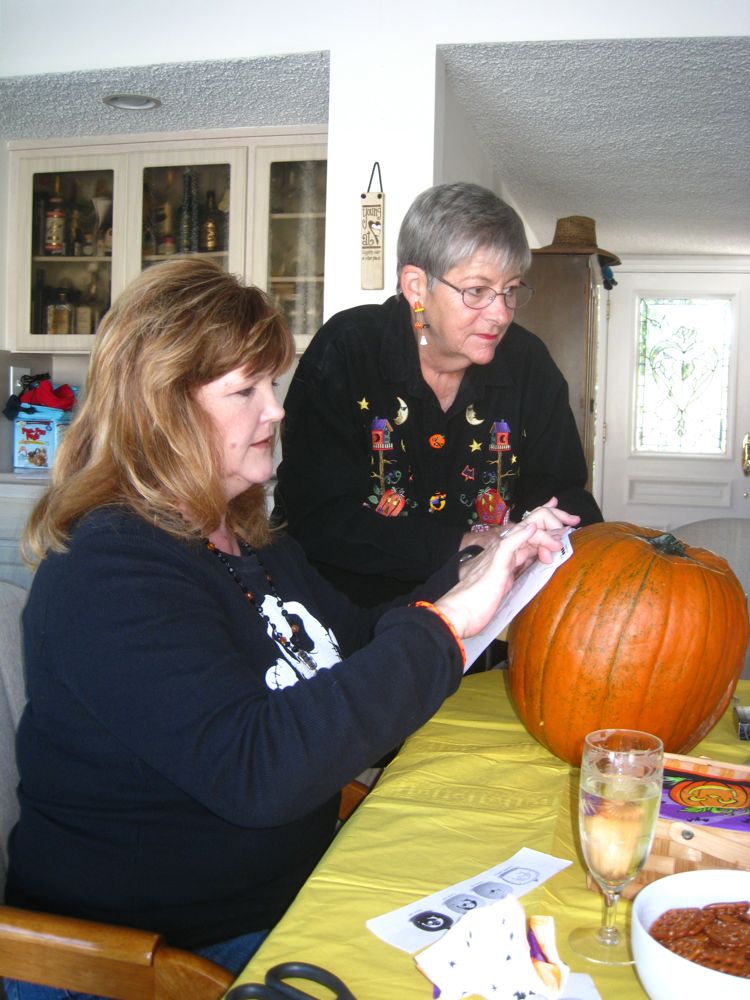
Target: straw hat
x,y
577,234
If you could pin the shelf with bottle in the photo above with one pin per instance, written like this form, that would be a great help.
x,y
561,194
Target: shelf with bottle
x,y
72,214
71,251
65,303
178,217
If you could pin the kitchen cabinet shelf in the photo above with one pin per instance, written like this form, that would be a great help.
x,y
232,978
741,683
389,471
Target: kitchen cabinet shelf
x,y
156,258
298,215
72,260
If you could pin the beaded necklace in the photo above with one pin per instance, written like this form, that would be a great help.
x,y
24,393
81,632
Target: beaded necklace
x,y
292,644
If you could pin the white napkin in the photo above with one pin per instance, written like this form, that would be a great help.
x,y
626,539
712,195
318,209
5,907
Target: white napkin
x,y
487,953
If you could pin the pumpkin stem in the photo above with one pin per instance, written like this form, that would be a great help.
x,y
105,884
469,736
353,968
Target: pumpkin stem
x,y
668,545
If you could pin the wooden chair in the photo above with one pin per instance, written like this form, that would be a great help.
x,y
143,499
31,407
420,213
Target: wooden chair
x,y
104,960
65,952
728,537
351,796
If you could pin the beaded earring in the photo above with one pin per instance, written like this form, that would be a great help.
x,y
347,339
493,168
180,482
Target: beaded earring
x,y
418,324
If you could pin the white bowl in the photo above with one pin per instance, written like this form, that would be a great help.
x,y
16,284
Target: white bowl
x,y
664,975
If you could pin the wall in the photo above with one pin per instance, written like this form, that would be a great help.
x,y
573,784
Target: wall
x,y
459,153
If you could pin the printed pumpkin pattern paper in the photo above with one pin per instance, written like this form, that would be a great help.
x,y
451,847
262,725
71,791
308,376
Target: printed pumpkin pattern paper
x,y
720,803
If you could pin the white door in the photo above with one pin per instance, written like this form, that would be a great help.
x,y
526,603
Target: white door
x,y
651,475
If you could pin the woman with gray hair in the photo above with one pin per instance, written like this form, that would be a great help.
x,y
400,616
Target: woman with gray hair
x,y
425,423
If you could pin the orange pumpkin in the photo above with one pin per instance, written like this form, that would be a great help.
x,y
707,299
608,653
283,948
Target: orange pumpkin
x,y
635,630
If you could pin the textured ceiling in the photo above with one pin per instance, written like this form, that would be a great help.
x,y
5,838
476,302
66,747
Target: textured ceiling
x,y
648,136
235,93
651,137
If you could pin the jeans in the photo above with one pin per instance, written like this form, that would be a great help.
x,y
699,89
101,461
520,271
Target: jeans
x,y
233,955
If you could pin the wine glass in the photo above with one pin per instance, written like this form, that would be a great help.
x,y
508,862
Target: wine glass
x,y
618,806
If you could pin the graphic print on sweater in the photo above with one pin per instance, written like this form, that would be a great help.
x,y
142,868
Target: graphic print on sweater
x,y
318,641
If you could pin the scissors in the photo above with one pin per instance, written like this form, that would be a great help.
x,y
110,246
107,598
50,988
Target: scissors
x,y
276,988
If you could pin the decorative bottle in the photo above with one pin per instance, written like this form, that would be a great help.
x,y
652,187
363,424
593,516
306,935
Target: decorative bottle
x,y
60,314
187,228
88,311
165,243
55,218
223,208
210,227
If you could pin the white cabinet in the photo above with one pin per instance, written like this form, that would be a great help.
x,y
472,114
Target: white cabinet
x,y
124,201
87,216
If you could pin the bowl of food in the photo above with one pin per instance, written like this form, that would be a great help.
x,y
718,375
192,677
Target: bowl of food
x,y
690,935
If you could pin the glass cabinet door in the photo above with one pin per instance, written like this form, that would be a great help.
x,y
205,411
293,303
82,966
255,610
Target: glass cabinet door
x,y
192,201
67,263
71,252
186,210
290,233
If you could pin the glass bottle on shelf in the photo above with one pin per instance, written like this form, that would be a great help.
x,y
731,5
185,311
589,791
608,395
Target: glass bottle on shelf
x,y
187,226
223,210
74,225
165,236
210,230
87,311
55,218
76,235
60,314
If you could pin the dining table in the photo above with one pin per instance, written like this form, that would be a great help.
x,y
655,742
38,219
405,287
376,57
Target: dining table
x,y
464,793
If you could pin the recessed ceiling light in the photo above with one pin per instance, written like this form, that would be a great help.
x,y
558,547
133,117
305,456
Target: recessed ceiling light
x,y
132,102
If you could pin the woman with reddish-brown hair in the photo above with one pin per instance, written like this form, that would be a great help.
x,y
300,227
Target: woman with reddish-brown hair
x,y
197,694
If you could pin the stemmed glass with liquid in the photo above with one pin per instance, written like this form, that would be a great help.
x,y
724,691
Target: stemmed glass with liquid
x,y
618,806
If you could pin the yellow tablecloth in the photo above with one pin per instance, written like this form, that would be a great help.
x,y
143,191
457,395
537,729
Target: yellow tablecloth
x,y
466,792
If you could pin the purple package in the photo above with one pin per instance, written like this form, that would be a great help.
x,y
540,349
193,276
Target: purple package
x,y
704,799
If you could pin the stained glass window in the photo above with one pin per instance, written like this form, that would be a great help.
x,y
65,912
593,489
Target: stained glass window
x,y
682,387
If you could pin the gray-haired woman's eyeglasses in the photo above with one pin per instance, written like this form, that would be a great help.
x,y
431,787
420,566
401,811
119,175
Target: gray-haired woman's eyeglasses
x,y
480,296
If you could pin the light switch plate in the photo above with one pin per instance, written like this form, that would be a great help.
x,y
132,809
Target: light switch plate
x,y
16,374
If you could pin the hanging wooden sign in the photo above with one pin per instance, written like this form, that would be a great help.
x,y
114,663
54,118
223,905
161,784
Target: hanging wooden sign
x,y
371,234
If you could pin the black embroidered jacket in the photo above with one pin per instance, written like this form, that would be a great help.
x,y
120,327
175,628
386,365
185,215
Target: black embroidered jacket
x,y
379,484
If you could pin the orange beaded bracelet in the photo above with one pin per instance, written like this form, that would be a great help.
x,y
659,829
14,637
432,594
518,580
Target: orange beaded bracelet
x,y
448,624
